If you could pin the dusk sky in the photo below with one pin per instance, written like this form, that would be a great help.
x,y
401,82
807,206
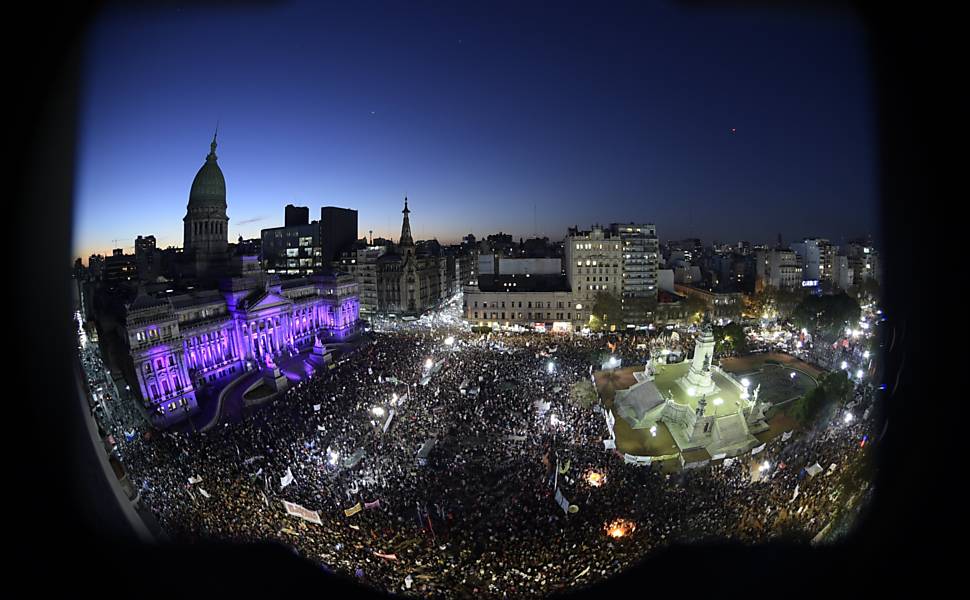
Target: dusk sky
x,y
484,115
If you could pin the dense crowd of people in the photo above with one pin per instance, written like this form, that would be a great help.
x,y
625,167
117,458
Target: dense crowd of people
x,y
477,515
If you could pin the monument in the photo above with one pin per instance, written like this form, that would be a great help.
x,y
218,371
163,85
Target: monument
x,y
698,381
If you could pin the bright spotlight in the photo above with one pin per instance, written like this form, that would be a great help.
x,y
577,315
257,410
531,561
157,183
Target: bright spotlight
x,y
848,417
377,411
859,374
718,401
764,466
691,391
844,365
865,354
550,367
746,382
428,363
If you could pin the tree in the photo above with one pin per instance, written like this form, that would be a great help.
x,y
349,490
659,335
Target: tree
x,y
730,339
827,314
607,309
695,308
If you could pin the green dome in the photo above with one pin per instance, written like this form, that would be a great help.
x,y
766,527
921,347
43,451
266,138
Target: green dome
x,y
209,185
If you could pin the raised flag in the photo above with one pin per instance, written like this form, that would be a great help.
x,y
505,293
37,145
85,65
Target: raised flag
x,y
316,408
195,480
786,435
286,479
374,504
757,449
204,493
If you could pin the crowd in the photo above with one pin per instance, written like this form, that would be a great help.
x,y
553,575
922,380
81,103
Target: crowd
x,y
478,517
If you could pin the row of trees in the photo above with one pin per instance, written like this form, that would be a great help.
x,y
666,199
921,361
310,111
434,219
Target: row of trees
x,y
827,314
834,390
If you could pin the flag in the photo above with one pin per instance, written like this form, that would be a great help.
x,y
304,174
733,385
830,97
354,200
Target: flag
x,y
286,479
353,510
728,462
374,504
130,435
204,493
387,556
796,492
316,408
757,449
785,436
195,480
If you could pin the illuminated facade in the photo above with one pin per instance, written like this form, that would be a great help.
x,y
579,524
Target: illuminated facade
x,y
179,344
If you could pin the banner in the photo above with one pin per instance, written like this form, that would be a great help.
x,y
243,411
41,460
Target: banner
x,y
814,469
387,423
316,408
609,444
374,504
719,456
562,502
786,435
321,428
353,510
728,462
757,449
204,493
195,480
286,479
302,512
387,556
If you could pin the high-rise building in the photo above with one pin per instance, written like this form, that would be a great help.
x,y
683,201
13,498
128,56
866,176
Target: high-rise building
x,y
296,215
640,262
338,231
816,256
778,268
292,250
145,257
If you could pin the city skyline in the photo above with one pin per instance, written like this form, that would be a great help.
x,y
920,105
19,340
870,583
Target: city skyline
x,y
526,125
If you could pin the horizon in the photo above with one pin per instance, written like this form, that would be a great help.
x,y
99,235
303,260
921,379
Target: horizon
x,y
720,125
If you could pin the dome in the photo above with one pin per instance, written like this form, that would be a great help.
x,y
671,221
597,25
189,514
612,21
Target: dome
x,y
209,185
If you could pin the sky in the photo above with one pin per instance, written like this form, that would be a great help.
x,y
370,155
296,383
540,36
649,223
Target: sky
x,y
723,125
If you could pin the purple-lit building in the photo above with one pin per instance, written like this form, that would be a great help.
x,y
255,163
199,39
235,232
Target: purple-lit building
x,y
180,344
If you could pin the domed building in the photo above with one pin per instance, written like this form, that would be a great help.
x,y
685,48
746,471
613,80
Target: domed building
x,y
206,233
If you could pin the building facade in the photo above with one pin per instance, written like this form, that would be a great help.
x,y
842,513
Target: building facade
x,y
408,282
179,344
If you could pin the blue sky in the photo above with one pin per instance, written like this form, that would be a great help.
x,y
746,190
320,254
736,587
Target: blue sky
x,y
484,117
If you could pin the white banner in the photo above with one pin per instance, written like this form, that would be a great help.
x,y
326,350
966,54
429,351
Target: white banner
x,y
814,469
728,462
204,493
757,450
786,435
609,444
719,456
286,479
316,408
387,423
195,480
304,513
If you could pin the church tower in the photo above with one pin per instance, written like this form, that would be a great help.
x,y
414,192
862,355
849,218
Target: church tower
x,y
406,243
206,225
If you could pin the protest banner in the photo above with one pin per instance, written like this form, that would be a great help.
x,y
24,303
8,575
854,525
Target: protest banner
x,y
302,512
786,435
757,449
353,510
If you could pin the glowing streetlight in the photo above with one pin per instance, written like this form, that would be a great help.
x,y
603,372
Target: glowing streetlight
x,y
792,375
653,430
450,340
746,382
550,367
428,363
865,354
764,467
848,418
859,374
844,365
377,411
